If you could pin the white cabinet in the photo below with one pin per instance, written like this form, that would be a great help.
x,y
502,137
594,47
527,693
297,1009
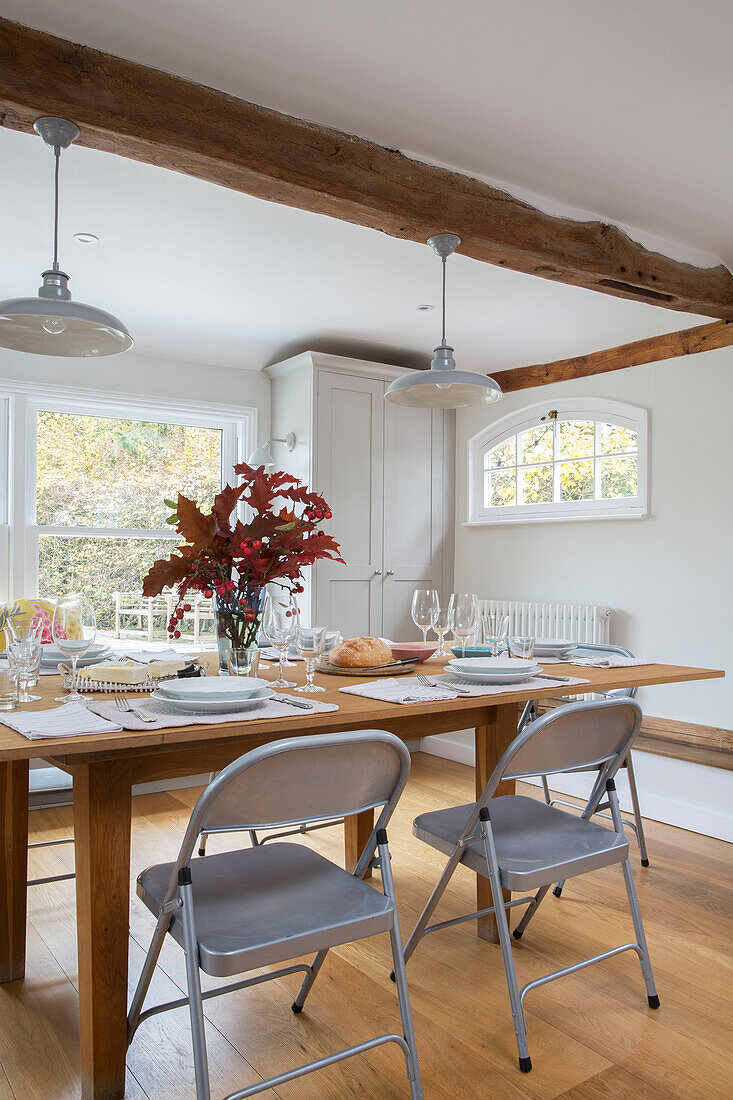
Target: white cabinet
x,y
386,472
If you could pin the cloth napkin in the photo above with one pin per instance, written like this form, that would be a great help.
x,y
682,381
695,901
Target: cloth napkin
x,y
167,715
408,690
613,660
68,720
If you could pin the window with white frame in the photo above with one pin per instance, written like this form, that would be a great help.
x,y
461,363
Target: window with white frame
x,y
90,473
576,459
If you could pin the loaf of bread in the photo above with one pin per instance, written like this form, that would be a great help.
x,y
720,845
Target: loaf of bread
x,y
360,653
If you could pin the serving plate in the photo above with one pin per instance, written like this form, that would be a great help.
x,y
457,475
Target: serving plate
x,y
340,670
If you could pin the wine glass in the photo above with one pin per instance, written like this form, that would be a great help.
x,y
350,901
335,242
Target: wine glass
x,y
495,628
74,629
24,657
280,623
441,626
424,605
310,641
463,609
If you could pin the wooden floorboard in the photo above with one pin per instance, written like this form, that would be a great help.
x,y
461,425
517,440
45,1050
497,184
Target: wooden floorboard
x,y
591,1036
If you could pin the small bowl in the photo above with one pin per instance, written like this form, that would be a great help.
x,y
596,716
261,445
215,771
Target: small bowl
x,y
416,650
471,651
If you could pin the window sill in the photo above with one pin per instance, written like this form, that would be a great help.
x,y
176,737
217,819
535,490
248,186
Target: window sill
x,y
548,517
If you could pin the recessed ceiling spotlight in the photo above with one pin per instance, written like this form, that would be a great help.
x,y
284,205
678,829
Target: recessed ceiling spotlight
x,y
425,308
86,238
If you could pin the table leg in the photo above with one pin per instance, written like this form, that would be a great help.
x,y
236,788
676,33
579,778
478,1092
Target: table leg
x,y
14,875
102,819
357,830
491,740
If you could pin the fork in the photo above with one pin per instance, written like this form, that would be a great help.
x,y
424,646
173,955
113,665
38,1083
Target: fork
x,y
126,707
451,687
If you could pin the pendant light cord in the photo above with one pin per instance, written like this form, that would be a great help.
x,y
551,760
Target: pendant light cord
x,y
443,338
57,155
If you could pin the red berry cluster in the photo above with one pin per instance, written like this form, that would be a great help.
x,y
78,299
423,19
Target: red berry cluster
x,y
314,514
250,546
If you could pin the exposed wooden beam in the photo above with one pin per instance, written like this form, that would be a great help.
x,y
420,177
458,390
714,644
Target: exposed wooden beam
x,y
719,334
139,112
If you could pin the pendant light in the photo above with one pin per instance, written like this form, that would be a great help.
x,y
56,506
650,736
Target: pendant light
x,y
443,387
51,324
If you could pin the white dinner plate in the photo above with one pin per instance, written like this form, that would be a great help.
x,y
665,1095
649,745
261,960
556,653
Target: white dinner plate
x,y
519,676
215,688
553,647
216,706
51,652
82,662
491,665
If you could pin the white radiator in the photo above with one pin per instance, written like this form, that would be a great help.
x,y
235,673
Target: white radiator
x,y
575,622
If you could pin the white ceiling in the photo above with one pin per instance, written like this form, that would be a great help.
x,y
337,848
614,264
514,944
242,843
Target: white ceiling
x,y
618,109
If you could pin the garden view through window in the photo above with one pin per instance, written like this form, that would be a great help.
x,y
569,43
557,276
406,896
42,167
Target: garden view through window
x,y
557,462
100,489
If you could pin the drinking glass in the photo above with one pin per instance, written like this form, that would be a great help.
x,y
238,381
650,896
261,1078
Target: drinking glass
x,y
8,688
441,626
310,641
521,647
24,658
464,614
424,605
495,628
27,630
74,629
243,662
279,624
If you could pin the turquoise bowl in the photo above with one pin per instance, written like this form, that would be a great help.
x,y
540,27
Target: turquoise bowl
x,y
471,650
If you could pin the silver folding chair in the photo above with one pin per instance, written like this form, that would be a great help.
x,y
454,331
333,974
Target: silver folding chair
x,y
594,805
521,844
254,907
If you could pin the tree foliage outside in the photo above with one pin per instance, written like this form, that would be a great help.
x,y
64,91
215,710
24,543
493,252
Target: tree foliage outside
x,y
113,473
521,469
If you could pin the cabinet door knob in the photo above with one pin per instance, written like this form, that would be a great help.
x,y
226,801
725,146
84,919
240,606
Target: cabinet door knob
x,y
390,572
377,572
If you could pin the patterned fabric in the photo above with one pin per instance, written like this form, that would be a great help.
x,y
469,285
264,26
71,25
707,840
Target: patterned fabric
x,y
32,610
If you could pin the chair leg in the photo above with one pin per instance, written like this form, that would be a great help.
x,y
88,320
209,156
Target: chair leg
x,y
529,912
307,984
502,925
403,995
546,789
422,921
146,975
644,960
641,839
202,843
193,981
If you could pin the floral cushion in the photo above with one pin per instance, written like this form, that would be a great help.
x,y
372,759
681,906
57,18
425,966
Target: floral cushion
x,y
32,610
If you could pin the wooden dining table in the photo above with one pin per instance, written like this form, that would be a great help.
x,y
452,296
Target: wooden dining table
x,y
105,767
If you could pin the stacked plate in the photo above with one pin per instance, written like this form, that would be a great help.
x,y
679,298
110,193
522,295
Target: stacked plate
x,y
214,694
51,655
493,670
554,647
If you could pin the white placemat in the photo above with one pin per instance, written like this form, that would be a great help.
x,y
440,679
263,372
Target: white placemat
x,y
409,690
68,720
167,715
611,661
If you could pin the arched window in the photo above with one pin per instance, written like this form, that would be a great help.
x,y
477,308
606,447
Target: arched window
x,y
567,459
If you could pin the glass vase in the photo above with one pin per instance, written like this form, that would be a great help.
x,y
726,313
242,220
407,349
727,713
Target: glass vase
x,y
236,627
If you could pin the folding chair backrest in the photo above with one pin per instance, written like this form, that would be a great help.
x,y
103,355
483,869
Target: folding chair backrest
x,y
572,737
305,779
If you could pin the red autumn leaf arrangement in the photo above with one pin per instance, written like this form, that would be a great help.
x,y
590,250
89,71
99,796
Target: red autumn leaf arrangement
x,y
233,561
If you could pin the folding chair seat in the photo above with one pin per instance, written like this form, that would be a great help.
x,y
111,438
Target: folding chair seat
x,y
522,844
295,902
258,906
533,841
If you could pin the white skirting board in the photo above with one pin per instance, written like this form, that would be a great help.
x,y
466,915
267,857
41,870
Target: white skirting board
x,y
676,792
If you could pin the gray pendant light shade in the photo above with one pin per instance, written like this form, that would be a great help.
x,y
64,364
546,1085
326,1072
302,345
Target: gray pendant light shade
x,y
51,323
443,387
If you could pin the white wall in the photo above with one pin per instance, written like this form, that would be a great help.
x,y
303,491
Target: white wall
x,y
143,376
668,577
